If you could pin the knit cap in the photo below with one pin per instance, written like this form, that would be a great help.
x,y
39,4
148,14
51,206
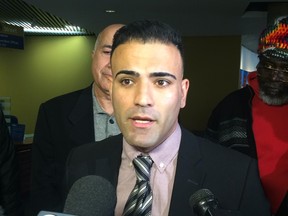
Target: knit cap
x,y
273,41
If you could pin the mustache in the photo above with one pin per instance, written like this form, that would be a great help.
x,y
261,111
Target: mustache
x,y
272,84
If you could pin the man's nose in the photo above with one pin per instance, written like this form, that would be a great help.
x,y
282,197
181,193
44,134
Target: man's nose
x,y
144,95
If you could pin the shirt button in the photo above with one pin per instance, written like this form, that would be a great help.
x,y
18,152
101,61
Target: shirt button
x,y
111,121
161,165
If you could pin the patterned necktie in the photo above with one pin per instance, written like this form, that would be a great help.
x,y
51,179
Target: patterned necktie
x,y
140,199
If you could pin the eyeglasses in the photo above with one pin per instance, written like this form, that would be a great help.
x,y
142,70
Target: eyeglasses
x,y
267,69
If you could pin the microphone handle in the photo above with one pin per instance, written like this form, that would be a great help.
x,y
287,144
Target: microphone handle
x,y
209,212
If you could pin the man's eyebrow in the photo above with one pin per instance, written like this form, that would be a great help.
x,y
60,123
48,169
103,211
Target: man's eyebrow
x,y
128,72
154,74
162,74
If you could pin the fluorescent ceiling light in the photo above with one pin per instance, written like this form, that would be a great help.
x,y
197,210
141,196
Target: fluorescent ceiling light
x,y
32,28
110,11
52,30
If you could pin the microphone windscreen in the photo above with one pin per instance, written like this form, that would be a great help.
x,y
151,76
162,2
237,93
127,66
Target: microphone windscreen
x,y
91,195
199,196
203,202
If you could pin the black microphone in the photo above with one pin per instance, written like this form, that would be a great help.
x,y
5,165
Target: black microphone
x,y
91,195
49,213
203,202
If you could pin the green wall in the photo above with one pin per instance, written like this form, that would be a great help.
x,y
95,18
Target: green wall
x,y
54,65
47,67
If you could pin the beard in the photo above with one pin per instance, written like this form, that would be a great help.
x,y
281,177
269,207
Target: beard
x,y
272,92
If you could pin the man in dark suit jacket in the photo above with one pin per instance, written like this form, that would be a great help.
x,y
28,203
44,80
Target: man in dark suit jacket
x,y
233,178
10,191
68,121
148,92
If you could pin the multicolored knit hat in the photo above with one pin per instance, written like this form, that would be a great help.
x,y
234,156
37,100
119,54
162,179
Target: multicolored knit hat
x,y
273,41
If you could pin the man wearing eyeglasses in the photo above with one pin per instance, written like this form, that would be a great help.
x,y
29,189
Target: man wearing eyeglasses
x,y
254,119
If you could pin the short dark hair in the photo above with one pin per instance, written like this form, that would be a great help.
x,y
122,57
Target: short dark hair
x,y
148,31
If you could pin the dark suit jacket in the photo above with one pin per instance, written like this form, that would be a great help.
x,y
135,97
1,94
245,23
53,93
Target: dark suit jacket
x,y
231,176
10,191
63,123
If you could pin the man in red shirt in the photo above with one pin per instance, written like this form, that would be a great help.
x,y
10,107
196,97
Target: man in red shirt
x,y
253,119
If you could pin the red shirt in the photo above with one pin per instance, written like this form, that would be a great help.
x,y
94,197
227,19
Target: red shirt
x,y
270,128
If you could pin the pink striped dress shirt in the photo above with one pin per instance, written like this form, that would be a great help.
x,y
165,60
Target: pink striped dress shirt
x,y
162,174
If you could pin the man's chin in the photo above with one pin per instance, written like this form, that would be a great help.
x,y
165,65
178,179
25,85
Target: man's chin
x,y
273,99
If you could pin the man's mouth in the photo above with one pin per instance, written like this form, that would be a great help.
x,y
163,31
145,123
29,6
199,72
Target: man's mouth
x,y
142,122
108,74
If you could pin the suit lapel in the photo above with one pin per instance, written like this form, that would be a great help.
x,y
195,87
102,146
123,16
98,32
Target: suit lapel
x,y
189,175
81,118
115,158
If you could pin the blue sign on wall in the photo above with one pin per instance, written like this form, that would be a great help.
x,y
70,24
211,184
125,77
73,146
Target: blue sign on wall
x,y
11,36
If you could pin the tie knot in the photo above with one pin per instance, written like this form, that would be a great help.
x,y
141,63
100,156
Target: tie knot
x,y
142,165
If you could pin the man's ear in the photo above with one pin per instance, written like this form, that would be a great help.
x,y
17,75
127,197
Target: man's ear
x,y
184,90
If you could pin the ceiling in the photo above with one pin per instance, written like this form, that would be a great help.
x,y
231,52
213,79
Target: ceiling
x,y
36,21
190,17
